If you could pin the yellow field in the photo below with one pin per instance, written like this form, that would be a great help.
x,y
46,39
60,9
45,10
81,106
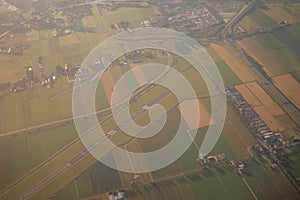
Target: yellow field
x,y
32,36
68,40
265,99
279,14
189,114
289,87
235,65
267,117
215,56
89,22
12,67
248,96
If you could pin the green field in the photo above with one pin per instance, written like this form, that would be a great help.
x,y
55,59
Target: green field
x,y
296,75
289,40
228,186
69,191
275,61
295,29
134,16
290,128
103,178
262,19
12,67
295,163
268,42
188,161
96,180
229,77
270,184
21,153
286,36
265,184
34,107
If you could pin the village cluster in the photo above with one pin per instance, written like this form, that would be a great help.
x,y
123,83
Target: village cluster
x,y
185,18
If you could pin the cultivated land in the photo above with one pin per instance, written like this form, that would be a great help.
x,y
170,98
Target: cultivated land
x,y
248,95
75,149
272,60
265,107
265,99
249,25
183,179
267,117
35,106
228,134
289,87
38,103
138,74
290,128
22,153
295,169
234,63
277,50
237,135
188,114
279,13
105,19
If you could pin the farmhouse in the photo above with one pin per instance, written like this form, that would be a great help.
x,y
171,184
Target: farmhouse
x,y
120,195
212,160
285,23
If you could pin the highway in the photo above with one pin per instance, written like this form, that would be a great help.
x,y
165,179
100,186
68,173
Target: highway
x,y
59,170
65,167
68,164
99,112
271,89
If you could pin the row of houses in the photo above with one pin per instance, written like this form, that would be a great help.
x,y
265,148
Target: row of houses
x,y
185,17
273,141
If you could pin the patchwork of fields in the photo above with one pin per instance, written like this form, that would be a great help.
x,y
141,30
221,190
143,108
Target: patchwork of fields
x,y
263,105
277,52
234,63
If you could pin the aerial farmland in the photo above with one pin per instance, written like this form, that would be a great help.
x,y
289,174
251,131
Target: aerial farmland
x,y
45,47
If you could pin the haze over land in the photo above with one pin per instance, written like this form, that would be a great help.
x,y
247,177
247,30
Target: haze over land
x,y
255,46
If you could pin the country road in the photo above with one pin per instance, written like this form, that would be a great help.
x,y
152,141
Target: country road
x,y
59,170
270,88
